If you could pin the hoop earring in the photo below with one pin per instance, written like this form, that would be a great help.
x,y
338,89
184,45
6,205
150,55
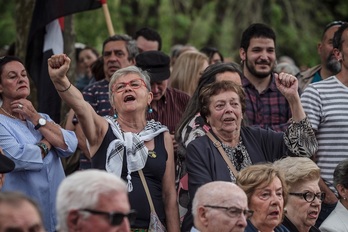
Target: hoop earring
x,y
149,110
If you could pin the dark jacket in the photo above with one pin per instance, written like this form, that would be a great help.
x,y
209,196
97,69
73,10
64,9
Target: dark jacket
x,y
205,163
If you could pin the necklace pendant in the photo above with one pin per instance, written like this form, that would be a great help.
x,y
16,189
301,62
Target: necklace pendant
x,y
152,154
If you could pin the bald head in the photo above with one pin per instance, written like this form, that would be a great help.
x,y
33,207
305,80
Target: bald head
x,y
208,217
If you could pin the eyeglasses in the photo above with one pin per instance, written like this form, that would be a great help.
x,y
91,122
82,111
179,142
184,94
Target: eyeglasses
x,y
310,196
115,218
233,212
134,84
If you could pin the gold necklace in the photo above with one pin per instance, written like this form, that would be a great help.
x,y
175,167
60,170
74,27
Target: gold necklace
x,y
8,114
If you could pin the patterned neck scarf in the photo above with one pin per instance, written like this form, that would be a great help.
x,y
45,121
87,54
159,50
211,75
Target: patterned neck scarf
x,y
133,145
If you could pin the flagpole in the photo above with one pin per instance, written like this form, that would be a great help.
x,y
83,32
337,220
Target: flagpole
x,y
107,18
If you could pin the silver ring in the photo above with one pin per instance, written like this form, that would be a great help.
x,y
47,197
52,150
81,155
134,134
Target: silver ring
x,y
20,106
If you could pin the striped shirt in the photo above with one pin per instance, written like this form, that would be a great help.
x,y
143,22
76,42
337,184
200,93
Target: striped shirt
x,y
326,104
170,108
97,94
269,109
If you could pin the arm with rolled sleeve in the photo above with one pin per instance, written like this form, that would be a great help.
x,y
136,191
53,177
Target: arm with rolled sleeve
x,y
19,144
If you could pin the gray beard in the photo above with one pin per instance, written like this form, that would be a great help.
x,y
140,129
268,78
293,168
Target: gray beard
x,y
333,65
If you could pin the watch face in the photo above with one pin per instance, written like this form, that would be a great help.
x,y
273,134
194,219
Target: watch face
x,y
42,121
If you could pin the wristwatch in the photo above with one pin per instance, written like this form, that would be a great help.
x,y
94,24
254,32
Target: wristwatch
x,y
41,123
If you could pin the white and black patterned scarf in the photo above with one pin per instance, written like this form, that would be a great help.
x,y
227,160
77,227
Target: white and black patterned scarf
x,y
136,151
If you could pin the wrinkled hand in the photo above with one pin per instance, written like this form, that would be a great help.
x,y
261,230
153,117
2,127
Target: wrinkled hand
x,y
287,84
25,109
58,66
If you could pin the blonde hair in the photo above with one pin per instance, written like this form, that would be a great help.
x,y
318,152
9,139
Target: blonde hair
x,y
258,175
298,170
186,71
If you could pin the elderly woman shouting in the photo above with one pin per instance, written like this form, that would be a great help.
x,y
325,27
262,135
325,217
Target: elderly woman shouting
x,y
229,146
127,142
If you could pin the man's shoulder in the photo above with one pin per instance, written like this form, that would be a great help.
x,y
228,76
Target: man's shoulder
x,y
177,92
309,72
306,77
97,84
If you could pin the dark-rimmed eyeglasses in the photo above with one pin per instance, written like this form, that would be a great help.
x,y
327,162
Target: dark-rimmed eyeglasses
x,y
134,84
310,196
115,218
233,212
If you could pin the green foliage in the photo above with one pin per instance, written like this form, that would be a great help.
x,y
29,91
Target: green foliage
x,y
7,23
298,24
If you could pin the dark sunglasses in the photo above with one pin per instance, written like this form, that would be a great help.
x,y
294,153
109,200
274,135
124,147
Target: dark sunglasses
x,y
310,196
115,218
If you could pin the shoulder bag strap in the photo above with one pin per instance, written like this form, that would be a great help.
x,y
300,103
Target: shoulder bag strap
x,y
217,144
142,177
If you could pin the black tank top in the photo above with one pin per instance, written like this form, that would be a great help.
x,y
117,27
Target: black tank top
x,y
154,171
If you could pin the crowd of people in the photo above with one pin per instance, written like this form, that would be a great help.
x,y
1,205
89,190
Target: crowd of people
x,y
179,142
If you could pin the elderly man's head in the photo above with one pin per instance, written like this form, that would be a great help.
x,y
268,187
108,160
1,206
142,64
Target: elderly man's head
x,y
93,200
220,206
19,213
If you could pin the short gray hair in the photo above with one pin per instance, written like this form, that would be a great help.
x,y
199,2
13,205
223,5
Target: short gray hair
x,y
82,189
298,170
125,71
213,193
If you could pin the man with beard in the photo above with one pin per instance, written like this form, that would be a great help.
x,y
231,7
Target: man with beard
x,y
325,103
329,65
266,107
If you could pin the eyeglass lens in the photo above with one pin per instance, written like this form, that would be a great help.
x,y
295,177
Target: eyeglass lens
x,y
309,196
134,84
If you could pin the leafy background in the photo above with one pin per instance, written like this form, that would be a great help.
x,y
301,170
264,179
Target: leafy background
x,y
297,23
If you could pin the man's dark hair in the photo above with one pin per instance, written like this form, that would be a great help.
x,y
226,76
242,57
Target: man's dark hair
x,y
131,45
256,30
149,34
337,39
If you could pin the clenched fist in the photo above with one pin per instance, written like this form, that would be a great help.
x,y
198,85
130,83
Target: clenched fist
x,y
58,66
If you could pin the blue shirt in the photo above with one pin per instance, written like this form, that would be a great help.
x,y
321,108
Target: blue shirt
x,y
35,177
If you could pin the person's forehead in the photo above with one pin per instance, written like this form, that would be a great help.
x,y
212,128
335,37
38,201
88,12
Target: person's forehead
x,y
113,202
229,76
115,45
22,214
128,77
261,42
329,34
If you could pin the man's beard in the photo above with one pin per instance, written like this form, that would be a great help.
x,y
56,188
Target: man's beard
x,y
252,70
333,65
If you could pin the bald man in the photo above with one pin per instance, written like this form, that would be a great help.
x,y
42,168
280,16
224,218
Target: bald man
x,y
220,206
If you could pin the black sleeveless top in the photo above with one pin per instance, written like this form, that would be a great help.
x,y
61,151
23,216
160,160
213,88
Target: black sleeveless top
x,y
154,171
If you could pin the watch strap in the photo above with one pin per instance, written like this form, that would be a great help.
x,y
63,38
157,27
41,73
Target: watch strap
x,y
37,126
43,147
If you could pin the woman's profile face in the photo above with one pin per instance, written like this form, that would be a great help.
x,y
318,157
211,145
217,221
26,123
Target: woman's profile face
x,y
14,81
299,211
267,203
225,112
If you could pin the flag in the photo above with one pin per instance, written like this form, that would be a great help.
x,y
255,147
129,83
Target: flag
x,y
45,39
